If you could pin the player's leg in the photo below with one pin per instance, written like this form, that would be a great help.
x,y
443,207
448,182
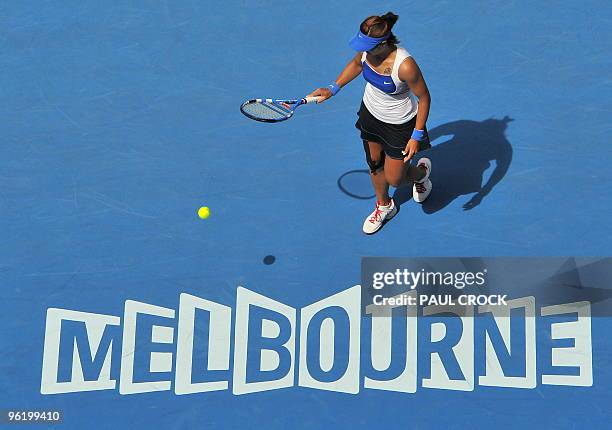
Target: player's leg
x,y
385,208
375,157
398,173
422,187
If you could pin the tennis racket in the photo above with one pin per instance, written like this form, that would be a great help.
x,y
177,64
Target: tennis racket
x,y
272,110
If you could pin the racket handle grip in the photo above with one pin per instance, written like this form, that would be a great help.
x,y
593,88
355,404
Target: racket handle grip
x,y
312,99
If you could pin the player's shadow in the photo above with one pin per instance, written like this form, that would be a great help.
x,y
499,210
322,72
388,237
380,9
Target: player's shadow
x,y
459,163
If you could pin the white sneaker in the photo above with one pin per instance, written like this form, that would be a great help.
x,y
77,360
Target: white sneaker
x,y
379,217
422,189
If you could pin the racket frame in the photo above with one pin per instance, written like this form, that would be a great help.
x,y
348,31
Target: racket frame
x,y
279,102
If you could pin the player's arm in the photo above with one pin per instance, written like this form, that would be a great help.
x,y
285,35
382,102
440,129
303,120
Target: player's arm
x,y
410,73
350,72
503,158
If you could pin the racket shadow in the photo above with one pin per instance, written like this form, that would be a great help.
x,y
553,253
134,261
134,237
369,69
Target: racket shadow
x,y
356,184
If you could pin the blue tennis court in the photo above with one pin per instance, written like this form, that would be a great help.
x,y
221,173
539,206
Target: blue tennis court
x,y
121,119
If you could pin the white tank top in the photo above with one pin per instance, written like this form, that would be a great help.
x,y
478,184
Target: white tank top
x,y
388,98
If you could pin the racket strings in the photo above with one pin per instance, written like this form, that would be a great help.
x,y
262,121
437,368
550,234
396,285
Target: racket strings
x,y
266,110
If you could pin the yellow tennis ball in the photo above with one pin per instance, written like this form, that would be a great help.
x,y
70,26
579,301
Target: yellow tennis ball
x,y
204,212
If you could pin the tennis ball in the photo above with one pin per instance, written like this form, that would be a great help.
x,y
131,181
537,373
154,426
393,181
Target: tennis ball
x,y
204,212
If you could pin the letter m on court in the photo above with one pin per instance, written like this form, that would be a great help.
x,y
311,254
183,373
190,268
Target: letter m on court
x,y
78,351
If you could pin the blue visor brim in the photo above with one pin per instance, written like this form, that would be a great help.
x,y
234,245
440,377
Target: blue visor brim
x,y
362,42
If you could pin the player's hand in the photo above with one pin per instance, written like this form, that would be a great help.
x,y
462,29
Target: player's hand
x,y
322,93
411,148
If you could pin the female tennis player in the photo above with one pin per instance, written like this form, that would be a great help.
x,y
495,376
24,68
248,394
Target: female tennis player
x,y
392,115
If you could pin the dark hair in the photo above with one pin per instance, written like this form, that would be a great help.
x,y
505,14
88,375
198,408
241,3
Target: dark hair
x,y
378,26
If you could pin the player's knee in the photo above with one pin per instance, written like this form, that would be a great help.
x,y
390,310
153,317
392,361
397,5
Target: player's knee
x,y
376,163
375,159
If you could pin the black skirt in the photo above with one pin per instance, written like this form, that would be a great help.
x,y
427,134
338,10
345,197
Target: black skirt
x,y
392,137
